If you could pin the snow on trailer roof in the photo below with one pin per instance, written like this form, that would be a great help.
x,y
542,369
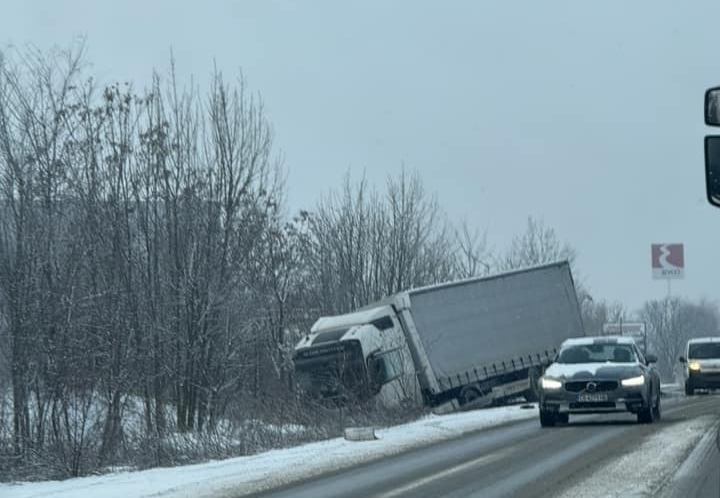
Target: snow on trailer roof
x,y
427,288
601,339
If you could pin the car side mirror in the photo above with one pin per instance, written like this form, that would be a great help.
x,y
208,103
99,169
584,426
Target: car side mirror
x,y
651,358
712,147
712,169
712,106
682,359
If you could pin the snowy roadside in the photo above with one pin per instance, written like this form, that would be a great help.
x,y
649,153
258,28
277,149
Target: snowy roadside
x,y
254,473
644,471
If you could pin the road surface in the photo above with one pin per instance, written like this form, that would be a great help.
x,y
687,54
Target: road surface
x,y
520,460
699,475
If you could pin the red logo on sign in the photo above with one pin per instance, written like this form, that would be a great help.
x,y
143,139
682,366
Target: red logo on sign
x,y
668,256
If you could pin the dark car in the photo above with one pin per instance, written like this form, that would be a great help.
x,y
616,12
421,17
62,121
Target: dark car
x,y
599,375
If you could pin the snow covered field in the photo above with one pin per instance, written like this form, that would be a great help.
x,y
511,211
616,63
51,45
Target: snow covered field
x,y
257,472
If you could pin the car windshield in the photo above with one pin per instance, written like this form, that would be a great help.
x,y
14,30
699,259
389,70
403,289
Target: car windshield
x,y
704,350
597,353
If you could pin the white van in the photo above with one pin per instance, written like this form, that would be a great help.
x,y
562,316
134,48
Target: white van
x,y
702,364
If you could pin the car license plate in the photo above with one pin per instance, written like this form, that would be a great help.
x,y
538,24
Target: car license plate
x,y
592,397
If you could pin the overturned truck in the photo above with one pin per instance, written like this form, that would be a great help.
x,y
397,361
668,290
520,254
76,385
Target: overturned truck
x,y
464,343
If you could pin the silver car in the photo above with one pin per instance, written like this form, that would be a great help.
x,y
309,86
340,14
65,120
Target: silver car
x,y
599,375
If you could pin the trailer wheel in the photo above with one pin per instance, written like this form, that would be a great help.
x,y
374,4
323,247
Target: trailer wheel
x,y
468,395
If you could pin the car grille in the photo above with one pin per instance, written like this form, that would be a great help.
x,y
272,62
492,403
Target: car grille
x,y
600,386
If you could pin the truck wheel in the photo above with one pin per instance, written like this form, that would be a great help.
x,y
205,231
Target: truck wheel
x,y
532,394
469,395
563,418
689,390
548,418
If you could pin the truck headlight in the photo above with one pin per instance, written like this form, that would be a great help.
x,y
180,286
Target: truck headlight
x,y
634,381
550,384
694,365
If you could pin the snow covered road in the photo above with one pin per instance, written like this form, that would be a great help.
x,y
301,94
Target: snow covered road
x,y
273,468
647,469
593,457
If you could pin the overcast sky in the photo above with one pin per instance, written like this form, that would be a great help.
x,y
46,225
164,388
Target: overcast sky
x,y
585,114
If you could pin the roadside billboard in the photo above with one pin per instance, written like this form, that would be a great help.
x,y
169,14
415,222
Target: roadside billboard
x,y
668,261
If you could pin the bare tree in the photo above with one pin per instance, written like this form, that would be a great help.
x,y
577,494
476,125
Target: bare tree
x,y
364,246
416,234
38,251
128,225
595,314
473,256
538,245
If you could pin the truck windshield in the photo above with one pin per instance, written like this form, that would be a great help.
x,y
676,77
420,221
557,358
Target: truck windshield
x,y
331,370
704,350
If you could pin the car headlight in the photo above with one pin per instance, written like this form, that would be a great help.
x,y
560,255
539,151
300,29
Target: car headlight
x,y
634,381
550,384
694,365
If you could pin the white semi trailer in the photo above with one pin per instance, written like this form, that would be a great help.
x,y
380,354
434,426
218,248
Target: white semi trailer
x,y
469,342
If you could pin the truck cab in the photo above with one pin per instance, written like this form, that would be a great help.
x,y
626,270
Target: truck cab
x,y
701,364
356,356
